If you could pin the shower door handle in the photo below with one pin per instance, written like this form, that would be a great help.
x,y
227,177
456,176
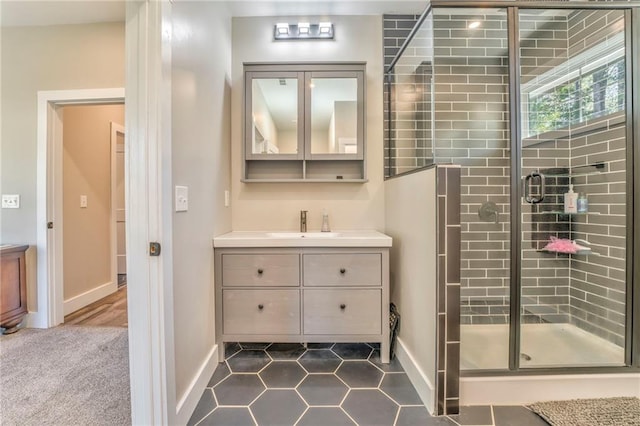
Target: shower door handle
x,y
527,187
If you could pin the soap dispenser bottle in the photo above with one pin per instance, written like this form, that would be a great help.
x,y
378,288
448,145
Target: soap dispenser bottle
x,y
570,201
325,222
583,203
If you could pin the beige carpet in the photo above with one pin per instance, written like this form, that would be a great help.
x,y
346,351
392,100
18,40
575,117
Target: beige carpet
x,y
68,375
590,412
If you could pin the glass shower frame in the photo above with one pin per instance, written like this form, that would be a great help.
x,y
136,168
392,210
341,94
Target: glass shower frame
x,y
632,50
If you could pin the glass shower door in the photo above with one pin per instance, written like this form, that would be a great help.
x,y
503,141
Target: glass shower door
x,y
472,129
574,188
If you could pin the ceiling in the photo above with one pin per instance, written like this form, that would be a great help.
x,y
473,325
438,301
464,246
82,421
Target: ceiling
x,y
54,12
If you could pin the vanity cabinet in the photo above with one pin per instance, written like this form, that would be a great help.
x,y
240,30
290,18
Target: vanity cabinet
x,y
304,122
302,295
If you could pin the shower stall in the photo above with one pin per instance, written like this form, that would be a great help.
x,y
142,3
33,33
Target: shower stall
x,y
534,100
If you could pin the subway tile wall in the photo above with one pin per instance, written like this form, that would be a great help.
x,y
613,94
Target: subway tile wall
x,y
472,129
545,277
588,291
408,142
598,282
448,290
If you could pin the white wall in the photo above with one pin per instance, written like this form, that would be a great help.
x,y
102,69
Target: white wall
x,y
200,160
351,206
44,58
413,265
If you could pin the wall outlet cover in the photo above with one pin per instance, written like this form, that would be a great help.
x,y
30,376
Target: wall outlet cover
x,y
83,202
10,201
182,198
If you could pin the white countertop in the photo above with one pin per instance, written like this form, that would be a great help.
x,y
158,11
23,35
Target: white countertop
x,y
299,239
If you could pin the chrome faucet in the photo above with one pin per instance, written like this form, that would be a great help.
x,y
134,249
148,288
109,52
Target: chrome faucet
x,y
303,221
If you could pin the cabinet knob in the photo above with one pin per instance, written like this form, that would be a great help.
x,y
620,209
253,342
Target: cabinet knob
x,y
342,270
343,306
261,306
260,271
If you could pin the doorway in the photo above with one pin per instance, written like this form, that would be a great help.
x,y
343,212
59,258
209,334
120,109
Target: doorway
x,y
91,210
50,294
92,220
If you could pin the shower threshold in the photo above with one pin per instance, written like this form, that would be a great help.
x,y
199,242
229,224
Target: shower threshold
x,y
486,347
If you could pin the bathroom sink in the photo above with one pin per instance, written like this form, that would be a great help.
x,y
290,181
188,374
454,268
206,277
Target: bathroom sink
x,y
303,234
357,238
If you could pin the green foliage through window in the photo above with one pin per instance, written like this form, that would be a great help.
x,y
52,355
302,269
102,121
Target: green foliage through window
x,y
598,92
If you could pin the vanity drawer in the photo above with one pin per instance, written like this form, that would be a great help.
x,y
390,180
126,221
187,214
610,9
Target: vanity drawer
x,y
357,269
337,311
261,311
248,270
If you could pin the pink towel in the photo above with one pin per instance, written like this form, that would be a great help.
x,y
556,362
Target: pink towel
x,y
563,245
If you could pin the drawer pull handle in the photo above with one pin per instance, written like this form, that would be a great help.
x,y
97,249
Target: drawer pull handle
x,y
261,306
342,270
260,271
343,306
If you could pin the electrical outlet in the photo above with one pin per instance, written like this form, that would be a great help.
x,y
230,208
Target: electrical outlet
x,y
83,202
226,198
10,201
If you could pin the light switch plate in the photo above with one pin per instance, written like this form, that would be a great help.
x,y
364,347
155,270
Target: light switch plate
x,y
226,198
10,201
83,202
182,198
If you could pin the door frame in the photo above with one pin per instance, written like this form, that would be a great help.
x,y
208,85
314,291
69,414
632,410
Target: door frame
x,y
115,129
50,311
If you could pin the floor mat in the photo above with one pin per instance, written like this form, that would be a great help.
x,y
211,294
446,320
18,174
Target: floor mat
x,y
590,412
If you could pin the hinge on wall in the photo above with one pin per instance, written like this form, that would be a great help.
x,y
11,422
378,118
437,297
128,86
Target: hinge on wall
x,y
154,249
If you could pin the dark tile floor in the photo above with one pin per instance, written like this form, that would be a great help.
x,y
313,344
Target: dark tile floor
x,y
326,385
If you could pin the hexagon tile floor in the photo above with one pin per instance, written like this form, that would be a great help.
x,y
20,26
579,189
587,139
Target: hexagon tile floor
x,y
325,384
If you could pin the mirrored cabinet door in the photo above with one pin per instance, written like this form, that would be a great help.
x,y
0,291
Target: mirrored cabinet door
x,y
273,129
304,122
334,118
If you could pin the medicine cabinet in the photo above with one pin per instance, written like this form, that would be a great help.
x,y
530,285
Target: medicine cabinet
x,y
304,122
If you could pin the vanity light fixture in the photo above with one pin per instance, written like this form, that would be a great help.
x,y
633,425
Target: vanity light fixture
x,y
282,29
303,31
325,28
304,28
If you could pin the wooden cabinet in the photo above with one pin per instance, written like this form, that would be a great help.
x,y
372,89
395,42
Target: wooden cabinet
x,y
304,122
302,295
13,287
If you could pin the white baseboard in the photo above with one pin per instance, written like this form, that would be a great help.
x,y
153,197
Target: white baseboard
x,y
33,320
88,297
419,380
510,390
187,403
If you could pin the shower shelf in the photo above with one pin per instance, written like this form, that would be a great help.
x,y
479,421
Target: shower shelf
x,y
598,168
561,212
579,253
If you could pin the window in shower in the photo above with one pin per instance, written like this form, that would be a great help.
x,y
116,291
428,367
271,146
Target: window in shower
x,y
585,87
573,265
